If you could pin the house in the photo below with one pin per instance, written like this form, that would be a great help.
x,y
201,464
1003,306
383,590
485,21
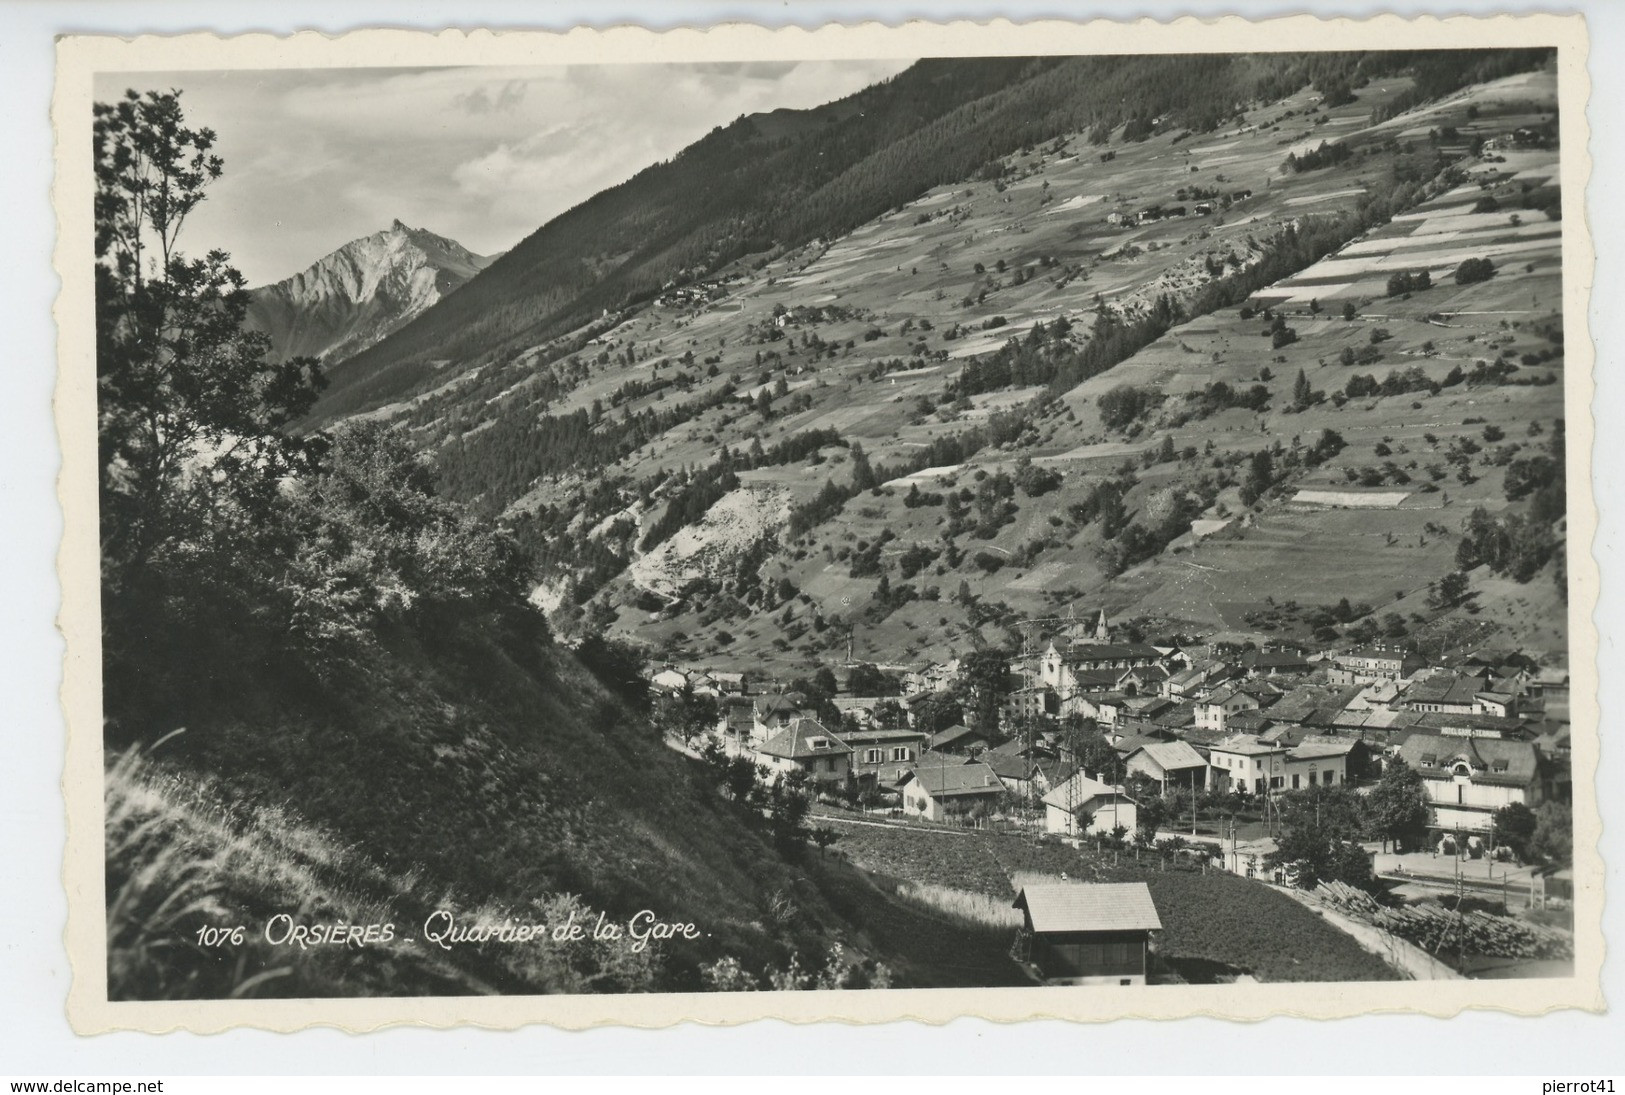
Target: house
x,y
1247,762
1190,683
949,788
1171,763
1141,679
736,721
1086,933
1258,764
771,713
670,680
936,677
1126,743
1468,779
1082,805
1224,701
861,708
884,756
1077,656
729,684
1500,704
1319,762
1167,720
958,739
1373,663
1274,663
1032,701
1448,693
1552,687
1022,747
807,746
1016,773
1246,722
1379,696
1105,708
1049,773
1472,725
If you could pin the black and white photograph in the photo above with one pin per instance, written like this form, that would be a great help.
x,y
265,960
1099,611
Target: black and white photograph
x,y
1095,529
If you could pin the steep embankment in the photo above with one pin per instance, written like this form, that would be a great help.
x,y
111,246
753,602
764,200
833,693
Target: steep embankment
x,y
465,767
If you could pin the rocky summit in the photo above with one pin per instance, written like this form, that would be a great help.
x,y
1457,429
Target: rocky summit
x,y
361,292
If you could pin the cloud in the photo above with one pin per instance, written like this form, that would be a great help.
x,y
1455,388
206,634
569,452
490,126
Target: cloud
x,y
481,101
317,157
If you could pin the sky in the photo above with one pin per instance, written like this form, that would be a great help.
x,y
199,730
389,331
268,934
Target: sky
x,y
317,157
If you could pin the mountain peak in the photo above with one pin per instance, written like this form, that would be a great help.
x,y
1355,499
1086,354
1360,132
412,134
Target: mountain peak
x,y
354,296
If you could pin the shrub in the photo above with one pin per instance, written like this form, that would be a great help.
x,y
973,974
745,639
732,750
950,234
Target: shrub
x,y
1122,405
1472,271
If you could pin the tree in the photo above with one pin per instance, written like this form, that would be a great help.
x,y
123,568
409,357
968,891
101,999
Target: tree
x,y
936,712
1348,310
1553,840
1474,270
1260,475
1091,752
1149,815
684,715
181,386
824,681
1319,853
983,680
1302,393
372,541
866,680
1120,406
863,476
1397,807
1452,590
1514,825
191,421
824,836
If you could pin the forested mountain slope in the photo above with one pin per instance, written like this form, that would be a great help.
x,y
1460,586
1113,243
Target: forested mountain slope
x,y
754,186
1047,385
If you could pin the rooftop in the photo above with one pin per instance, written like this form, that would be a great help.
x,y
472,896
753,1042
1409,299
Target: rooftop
x,y
1086,652
948,780
1089,906
804,737
1492,760
1171,755
1246,745
953,734
1077,791
869,737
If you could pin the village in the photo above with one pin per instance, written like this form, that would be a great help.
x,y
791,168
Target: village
x,y
1199,751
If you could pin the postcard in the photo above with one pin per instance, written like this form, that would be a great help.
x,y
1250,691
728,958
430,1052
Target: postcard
x,y
1016,520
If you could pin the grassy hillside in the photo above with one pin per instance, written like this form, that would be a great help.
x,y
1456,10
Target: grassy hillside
x,y
930,338
453,771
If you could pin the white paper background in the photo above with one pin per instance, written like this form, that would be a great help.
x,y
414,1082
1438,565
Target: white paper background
x,y
34,1037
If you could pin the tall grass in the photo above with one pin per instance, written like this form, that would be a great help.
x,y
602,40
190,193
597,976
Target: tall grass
x,y
182,854
972,909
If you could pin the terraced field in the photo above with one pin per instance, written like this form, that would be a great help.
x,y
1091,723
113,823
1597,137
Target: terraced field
x,y
866,335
